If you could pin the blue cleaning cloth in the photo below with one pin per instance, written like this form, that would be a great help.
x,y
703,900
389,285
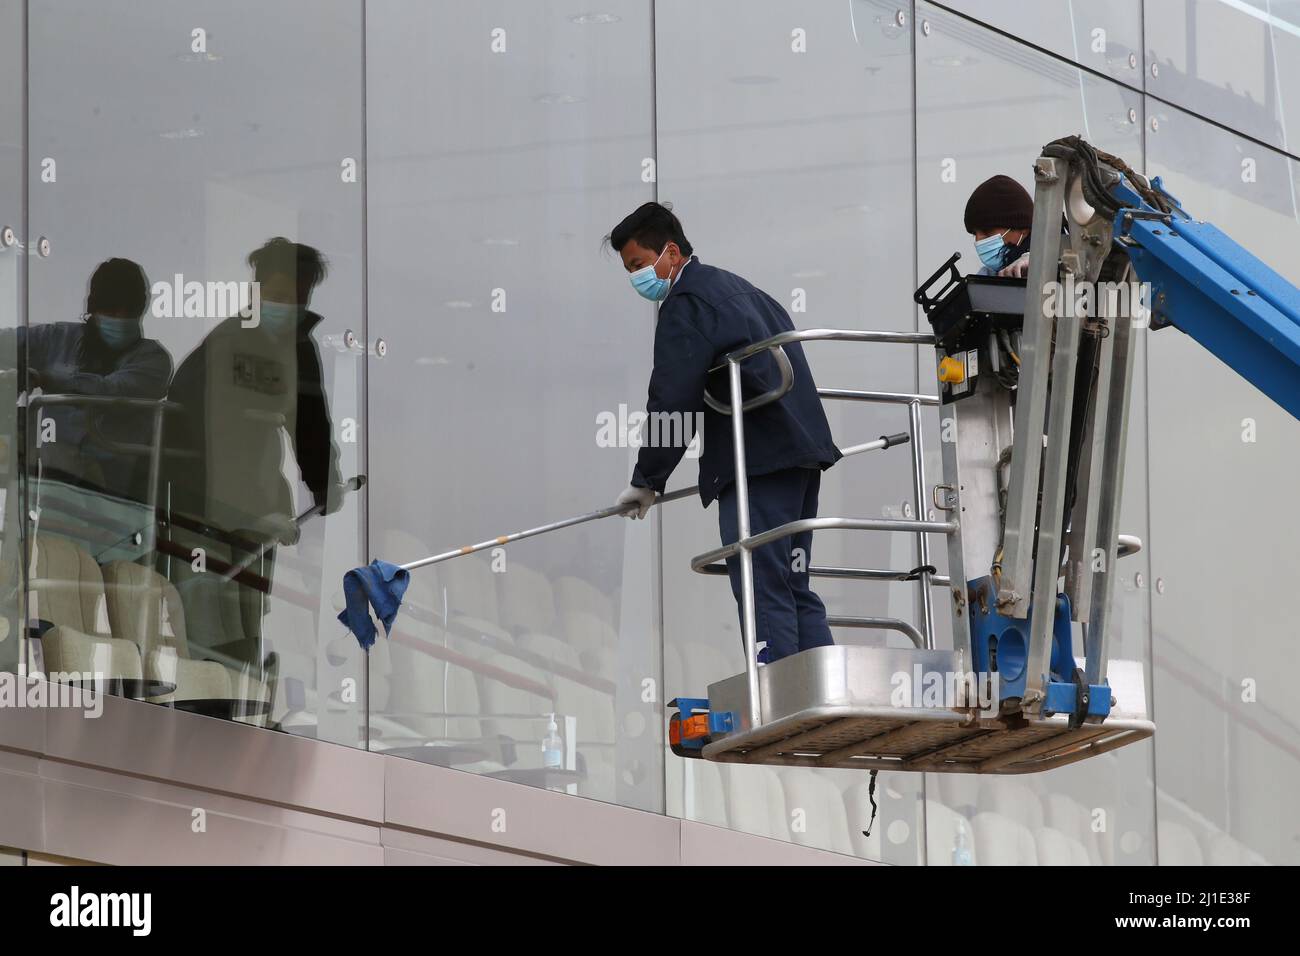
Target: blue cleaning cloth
x,y
379,585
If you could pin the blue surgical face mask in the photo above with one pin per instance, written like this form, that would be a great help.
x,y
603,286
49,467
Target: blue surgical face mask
x,y
992,250
117,333
648,284
280,316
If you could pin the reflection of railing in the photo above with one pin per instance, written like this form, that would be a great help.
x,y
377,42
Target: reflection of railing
x,y
103,403
469,663
557,668
1216,696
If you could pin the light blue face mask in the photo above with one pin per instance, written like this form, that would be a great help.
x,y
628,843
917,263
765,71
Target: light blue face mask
x,y
992,250
117,333
648,284
280,316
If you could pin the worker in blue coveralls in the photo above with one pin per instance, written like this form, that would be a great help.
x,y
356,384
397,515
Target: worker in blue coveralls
x,y
704,313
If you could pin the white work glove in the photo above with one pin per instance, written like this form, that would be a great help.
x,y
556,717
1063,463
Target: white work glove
x,y
643,498
1018,269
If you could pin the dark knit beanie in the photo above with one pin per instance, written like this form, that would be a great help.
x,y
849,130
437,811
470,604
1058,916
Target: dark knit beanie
x,y
999,203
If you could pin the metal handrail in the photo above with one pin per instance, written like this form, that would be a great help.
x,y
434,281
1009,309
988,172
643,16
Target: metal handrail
x,y
880,624
865,574
768,397
774,345
882,398
825,335
750,542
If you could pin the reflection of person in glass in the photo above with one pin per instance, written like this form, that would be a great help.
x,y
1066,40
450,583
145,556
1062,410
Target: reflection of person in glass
x,y
249,386
102,441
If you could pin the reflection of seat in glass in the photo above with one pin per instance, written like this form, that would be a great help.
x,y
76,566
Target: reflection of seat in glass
x,y
527,601
1072,819
224,609
515,699
470,594
1223,850
1001,841
1185,837
1178,845
756,801
820,807
66,591
436,700
1057,849
590,634
574,595
587,616
1013,799
145,608
705,795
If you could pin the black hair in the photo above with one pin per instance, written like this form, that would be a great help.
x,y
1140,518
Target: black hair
x,y
118,285
653,226
279,256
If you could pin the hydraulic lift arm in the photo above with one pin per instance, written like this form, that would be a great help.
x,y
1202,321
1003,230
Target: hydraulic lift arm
x,y
1201,281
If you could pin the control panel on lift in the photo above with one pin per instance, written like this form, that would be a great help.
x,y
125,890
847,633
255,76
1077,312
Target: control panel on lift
x,y
977,321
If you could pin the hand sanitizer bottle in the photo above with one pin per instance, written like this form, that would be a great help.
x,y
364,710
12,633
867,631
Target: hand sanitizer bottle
x,y
961,855
552,746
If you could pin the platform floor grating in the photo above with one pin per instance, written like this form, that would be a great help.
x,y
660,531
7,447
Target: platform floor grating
x,y
916,744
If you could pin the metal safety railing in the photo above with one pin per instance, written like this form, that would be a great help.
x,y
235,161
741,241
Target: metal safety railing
x,y
745,543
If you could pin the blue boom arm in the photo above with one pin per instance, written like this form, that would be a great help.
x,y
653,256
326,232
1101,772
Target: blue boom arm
x,y
1214,290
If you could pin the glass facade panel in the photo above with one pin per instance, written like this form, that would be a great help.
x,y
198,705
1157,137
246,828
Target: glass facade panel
x,y
1101,35
197,409
1232,61
512,337
1217,448
12,279
795,170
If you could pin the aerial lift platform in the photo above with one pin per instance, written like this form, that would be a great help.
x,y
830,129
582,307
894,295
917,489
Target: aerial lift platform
x,y
1033,380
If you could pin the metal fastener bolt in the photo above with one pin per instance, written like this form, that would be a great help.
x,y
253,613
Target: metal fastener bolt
x,y
381,347
1155,124
907,509
350,339
1132,61
925,27
1132,116
1138,580
900,18
1160,585
1155,69
43,246
7,236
